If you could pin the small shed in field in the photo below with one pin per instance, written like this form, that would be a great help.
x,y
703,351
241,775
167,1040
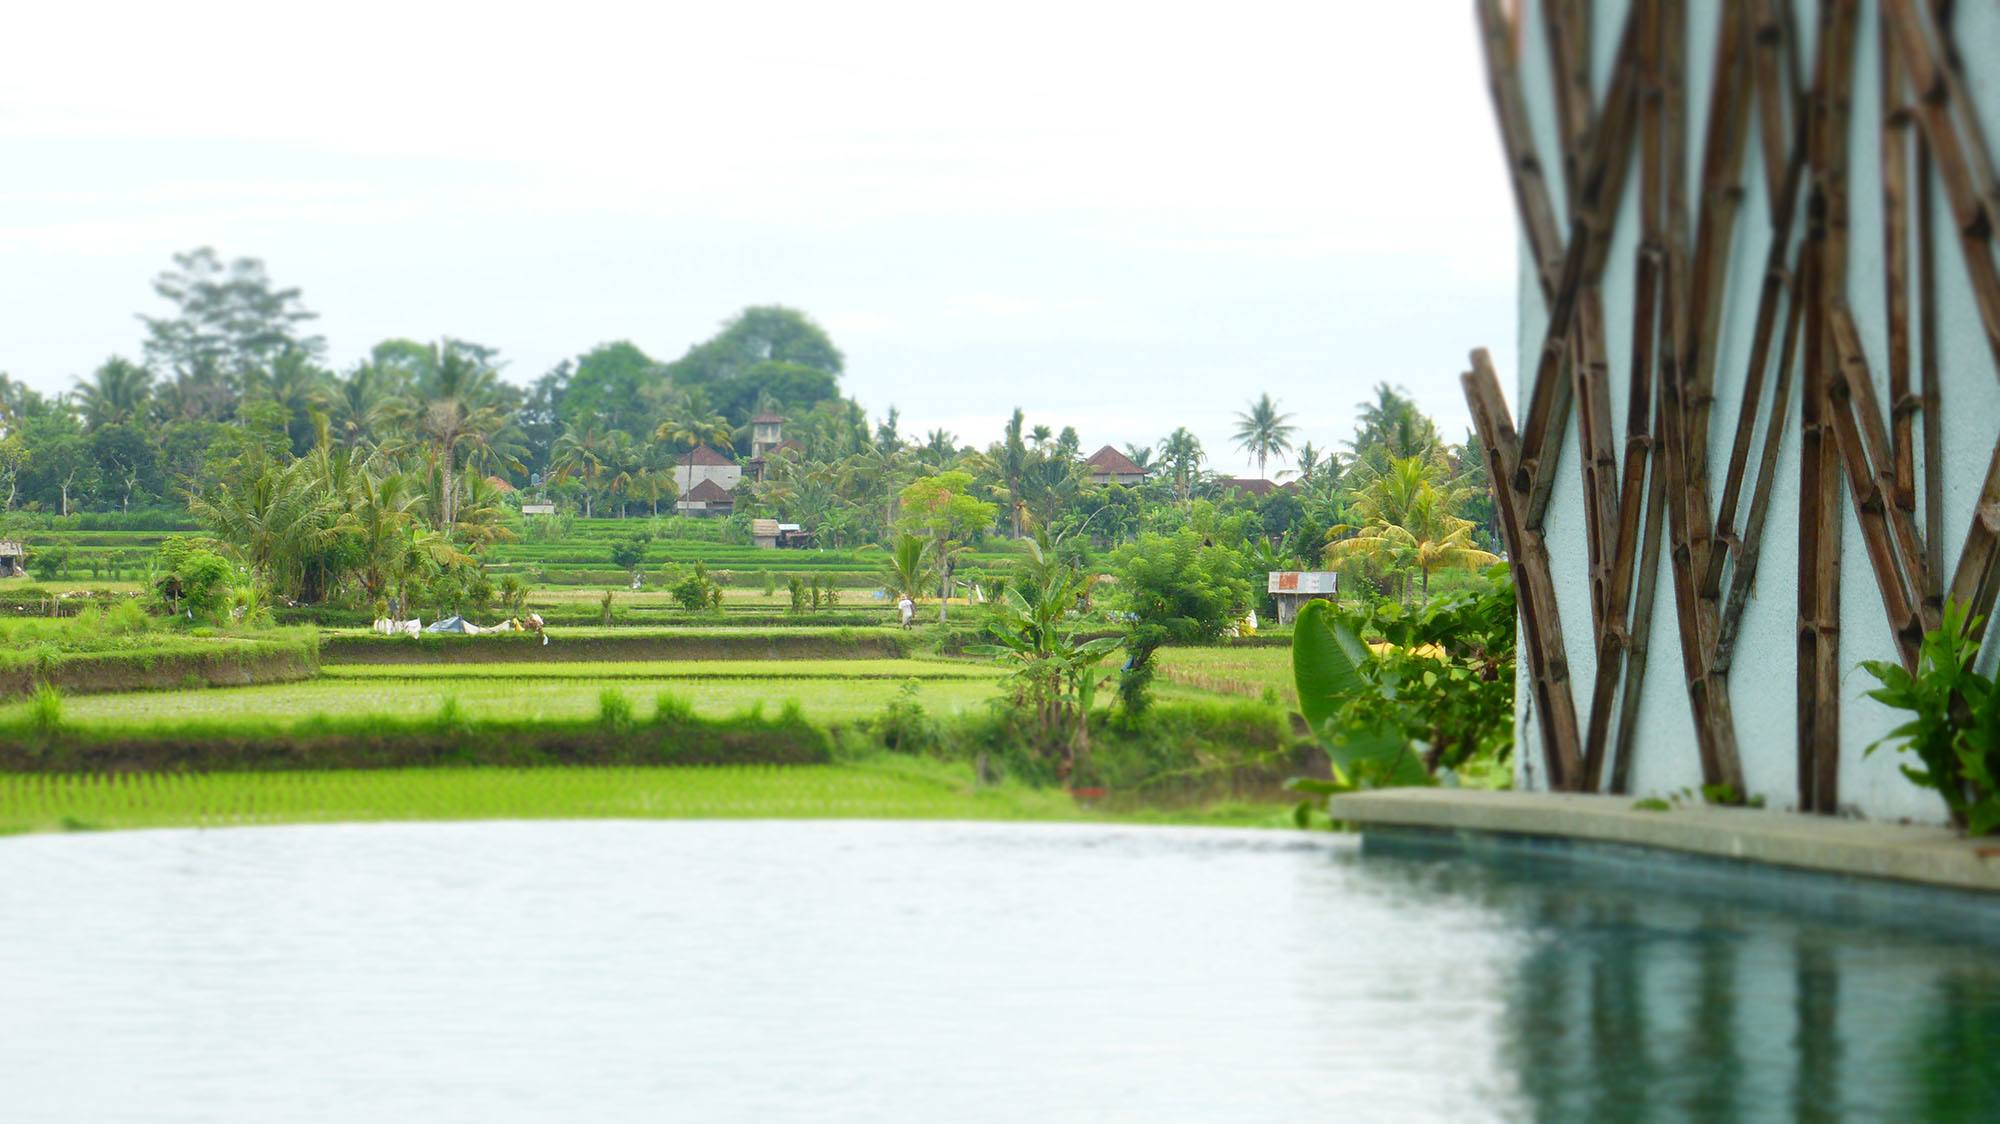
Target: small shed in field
x,y
1293,588
13,559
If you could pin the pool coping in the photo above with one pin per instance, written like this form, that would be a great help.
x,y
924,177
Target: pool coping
x,y
1924,855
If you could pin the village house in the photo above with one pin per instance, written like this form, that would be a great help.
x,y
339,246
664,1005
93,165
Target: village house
x,y
705,464
1109,466
706,498
1255,489
767,443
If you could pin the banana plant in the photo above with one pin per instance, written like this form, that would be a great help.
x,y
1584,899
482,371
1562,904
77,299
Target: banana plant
x,y
1038,627
1327,663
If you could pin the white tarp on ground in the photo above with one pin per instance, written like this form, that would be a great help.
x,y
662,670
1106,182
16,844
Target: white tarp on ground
x,y
454,623
387,627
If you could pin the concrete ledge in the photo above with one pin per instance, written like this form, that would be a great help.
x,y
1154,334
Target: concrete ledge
x,y
1933,856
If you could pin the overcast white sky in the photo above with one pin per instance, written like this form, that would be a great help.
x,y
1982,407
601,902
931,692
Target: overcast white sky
x,y
1119,217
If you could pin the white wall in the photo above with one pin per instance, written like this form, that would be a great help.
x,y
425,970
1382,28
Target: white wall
x,y
1763,683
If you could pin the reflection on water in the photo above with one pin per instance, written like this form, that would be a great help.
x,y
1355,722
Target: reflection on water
x,y
1649,991
844,971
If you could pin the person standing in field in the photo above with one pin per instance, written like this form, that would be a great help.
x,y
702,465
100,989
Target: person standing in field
x,y
908,608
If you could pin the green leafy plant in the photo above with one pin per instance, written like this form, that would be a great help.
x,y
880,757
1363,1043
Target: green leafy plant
x,y
1337,700
1038,630
1956,732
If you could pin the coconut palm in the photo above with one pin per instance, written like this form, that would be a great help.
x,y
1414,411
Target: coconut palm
x,y
1406,522
878,469
581,454
1181,453
1389,426
1263,432
453,410
940,446
1011,461
907,567
691,421
117,394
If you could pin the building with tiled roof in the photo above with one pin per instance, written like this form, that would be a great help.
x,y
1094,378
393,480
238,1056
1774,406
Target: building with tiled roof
x,y
767,432
1109,466
706,498
703,463
1256,489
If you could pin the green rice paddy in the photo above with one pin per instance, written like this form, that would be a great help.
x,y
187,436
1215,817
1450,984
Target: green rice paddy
x,y
484,697
779,671
894,789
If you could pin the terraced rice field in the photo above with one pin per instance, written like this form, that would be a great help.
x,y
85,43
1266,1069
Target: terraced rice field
x,y
827,691
1248,672
890,789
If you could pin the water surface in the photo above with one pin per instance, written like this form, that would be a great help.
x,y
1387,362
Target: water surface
x,y
612,971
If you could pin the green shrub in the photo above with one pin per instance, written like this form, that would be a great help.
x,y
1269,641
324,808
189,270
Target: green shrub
x,y
614,710
1956,732
904,726
670,709
45,712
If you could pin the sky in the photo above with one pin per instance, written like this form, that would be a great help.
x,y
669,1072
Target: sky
x,y
1116,217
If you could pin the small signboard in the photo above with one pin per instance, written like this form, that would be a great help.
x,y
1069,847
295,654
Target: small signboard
x,y
538,509
1306,582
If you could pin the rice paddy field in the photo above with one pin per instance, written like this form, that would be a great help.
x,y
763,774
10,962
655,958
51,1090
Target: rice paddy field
x,y
827,691
890,789
1244,671
108,549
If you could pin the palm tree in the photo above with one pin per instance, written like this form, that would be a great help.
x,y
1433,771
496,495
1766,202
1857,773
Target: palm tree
x,y
878,469
940,446
1181,452
1142,455
1406,523
1263,432
1040,435
1311,464
379,515
1389,426
904,571
691,421
453,410
1051,485
1012,463
116,394
580,455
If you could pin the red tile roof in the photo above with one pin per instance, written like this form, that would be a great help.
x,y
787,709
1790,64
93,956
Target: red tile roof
x,y
1258,488
1110,462
708,491
500,485
705,456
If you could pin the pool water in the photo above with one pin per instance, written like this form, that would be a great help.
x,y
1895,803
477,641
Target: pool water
x,y
613,971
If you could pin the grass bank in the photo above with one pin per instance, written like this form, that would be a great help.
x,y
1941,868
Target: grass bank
x,y
617,733
886,789
276,710
92,654
614,644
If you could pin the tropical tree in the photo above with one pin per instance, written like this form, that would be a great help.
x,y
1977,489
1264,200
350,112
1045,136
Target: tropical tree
x,y
581,456
903,571
1263,432
941,509
1181,452
1040,633
116,394
1389,426
452,409
1011,460
1405,522
691,421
